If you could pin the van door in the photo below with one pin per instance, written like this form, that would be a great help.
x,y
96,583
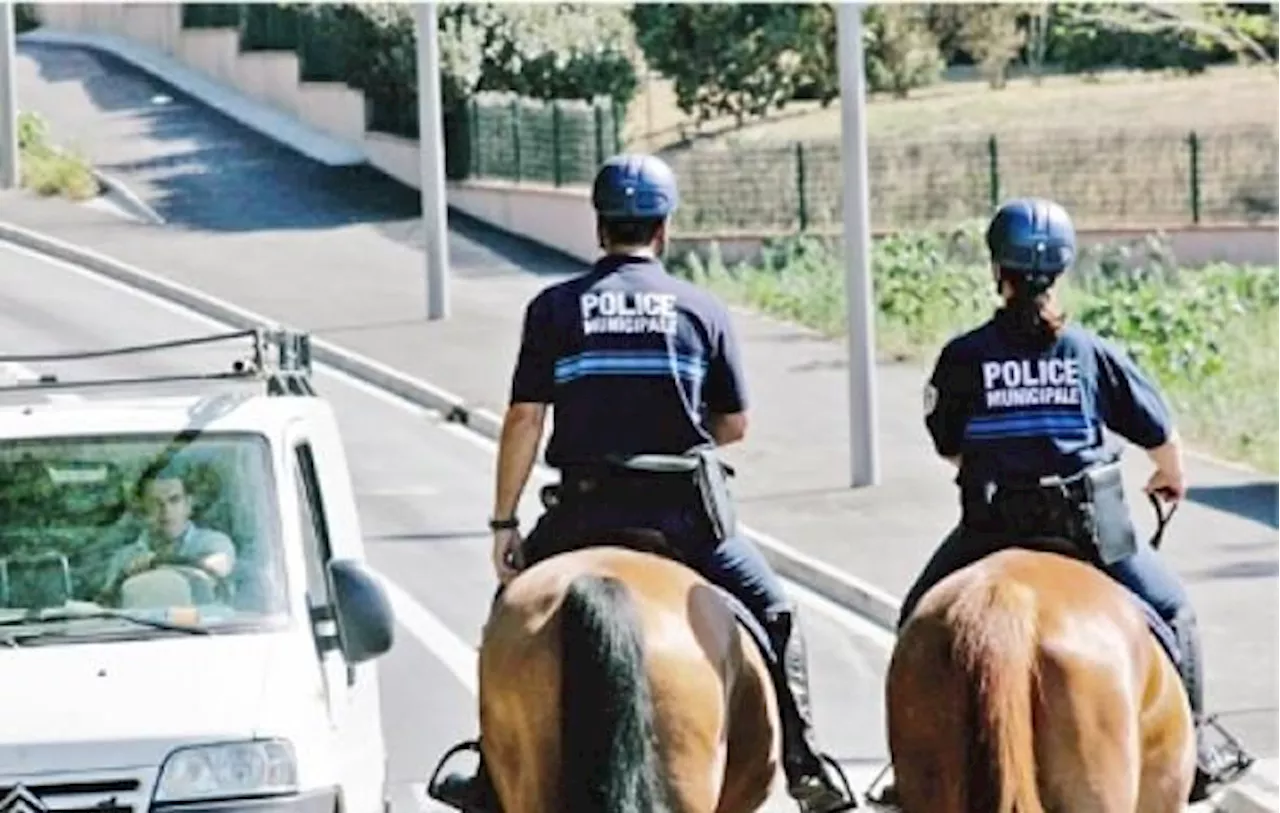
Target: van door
x,y
317,552
351,693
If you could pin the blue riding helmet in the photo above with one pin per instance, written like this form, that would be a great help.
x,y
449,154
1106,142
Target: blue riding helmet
x,y
634,187
1033,236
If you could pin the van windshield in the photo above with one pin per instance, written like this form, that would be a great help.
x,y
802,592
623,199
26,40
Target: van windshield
x,y
95,530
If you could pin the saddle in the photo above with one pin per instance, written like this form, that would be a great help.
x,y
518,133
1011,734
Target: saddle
x,y
1062,545
708,477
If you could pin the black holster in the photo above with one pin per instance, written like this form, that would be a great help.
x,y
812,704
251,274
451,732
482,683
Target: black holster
x,y
1088,509
711,477
698,471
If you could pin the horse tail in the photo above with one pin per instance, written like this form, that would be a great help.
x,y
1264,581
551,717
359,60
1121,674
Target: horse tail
x,y
607,729
995,643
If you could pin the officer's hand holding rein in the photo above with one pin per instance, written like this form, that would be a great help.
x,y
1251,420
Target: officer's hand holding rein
x,y
1168,480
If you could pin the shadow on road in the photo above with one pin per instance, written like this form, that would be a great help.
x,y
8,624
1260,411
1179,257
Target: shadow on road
x,y
1255,501
202,170
208,171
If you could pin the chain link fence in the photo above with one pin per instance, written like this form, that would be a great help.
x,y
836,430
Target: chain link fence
x,y
561,143
1137,177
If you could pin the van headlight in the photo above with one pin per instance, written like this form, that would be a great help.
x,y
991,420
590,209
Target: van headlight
x,y
224,770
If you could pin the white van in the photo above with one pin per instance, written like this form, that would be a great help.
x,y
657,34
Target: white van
x,y
186,620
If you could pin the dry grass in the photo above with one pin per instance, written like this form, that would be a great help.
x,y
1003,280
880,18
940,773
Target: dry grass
x,y
1222,97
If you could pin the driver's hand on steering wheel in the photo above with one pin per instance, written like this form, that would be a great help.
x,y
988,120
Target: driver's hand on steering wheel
x,y
140,563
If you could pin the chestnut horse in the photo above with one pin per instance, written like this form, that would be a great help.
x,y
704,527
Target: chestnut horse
x,y
1030,682
613,679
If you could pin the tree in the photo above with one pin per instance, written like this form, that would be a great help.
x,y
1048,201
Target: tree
x,y
1244,34
1038,21
991,35
737,59
901,52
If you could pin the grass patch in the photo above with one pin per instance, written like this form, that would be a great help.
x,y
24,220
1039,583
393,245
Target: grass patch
x,y
48,169
1209,335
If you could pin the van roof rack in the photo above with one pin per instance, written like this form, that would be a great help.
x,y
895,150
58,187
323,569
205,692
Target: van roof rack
x,y
278,357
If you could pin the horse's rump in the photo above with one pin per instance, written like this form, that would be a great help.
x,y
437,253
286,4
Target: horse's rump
x,y
1021,683
607,680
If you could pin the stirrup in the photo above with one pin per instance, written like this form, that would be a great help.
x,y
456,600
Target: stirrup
x,y
888,799
1240,760
821,776
433,784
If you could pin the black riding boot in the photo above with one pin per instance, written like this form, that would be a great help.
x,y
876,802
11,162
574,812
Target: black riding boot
x,y
809,780
470,794
1215,764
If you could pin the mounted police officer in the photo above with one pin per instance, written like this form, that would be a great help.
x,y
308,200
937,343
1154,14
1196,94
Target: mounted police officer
x,y
1025,397
637,362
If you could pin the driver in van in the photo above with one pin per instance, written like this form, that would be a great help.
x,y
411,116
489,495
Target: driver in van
x,y
171,538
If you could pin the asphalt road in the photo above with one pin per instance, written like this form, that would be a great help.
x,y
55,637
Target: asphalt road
x,y
424,491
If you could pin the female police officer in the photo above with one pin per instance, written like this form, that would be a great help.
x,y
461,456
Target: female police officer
x,y
1026,396
635,361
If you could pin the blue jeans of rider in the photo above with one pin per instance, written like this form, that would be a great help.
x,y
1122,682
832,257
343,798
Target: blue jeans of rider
x,y
735,565
1145,573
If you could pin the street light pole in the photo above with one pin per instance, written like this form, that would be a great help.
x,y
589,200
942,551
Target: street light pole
x,y
10,171
857,248
435,223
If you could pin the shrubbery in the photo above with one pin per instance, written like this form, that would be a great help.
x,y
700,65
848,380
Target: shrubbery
x,y
48,169
1209,335
540,51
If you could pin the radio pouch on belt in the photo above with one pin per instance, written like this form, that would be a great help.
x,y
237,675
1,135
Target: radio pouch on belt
x,y
1112,529
712,479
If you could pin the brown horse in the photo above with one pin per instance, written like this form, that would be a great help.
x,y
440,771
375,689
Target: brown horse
x,y
1030,682
618,680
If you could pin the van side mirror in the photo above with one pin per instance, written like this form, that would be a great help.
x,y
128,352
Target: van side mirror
x,y
366,625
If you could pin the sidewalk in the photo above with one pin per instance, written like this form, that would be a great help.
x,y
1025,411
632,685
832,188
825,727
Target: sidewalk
x,y
336,251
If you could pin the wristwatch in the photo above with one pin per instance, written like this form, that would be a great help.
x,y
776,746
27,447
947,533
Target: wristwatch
x,y
509,524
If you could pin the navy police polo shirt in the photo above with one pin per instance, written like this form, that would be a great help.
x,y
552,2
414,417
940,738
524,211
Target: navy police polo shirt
x,y
632,360
1016,413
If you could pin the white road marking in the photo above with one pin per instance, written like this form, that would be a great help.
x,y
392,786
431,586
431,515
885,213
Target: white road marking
x,y
457,655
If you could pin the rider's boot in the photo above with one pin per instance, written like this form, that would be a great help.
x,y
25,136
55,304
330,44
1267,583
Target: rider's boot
x,y
809,780
470,794
1215,764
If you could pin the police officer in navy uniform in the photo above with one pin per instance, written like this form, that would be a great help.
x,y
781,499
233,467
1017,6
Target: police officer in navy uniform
x,y
1026,396
635,361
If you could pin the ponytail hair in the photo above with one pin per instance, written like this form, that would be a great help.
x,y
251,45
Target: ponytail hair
x,y
1031,316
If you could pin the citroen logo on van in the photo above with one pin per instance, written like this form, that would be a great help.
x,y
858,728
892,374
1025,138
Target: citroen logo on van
x,y
21,800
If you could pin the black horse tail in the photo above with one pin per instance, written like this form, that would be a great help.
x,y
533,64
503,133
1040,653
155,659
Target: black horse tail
x,y
609,760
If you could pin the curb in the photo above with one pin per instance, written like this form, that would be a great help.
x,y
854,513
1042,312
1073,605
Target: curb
x,y
1246,798
859,597
126,198
1257,791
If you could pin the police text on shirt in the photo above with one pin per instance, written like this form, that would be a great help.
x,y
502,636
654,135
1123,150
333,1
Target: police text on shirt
x,y
628,312
1031,382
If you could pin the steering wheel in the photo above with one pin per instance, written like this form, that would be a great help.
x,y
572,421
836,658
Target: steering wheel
x,y
169,584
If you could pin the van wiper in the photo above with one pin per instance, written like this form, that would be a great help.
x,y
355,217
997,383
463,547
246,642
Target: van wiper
x,y
67,614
